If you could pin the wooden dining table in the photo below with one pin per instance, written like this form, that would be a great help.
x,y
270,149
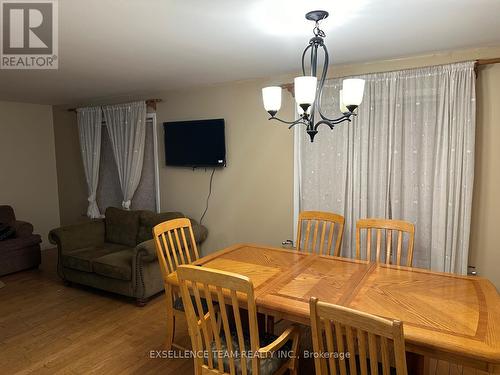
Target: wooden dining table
x,y
445,316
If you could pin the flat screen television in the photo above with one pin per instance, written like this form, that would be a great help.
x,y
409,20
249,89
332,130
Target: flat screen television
x,y
199,143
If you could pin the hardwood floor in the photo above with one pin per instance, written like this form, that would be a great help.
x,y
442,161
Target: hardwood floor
x,y
49,328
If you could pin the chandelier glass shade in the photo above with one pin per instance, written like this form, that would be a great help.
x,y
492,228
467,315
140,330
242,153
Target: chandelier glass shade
x,y
308,88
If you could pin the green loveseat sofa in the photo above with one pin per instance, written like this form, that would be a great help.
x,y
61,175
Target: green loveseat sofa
x,y
117,253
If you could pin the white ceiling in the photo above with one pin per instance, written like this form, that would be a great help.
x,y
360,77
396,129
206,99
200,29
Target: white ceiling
x,y
110,48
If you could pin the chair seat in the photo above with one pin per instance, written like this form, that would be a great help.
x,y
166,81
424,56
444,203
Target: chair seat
x,y
179,305
268,366
379,366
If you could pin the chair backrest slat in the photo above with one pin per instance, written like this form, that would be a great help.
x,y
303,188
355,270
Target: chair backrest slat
x,y
161,254
379,238
312,221
179,247
322,238
362,351
194,248
351,348
308,230
239,328
400,247
340,347
206,328
372,345
390,255
338,243
213,322
330,344
173,246
174,250
340,333
186,246
227,330
234,296
384,351
315,236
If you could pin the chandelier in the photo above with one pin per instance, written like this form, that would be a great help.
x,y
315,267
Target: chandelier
x,y
308,89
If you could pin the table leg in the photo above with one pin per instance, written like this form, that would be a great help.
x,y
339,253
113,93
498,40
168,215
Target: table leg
x,y
270,324
415,363
170,317
262,321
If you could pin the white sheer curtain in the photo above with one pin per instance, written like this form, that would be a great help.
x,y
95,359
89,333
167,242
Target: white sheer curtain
x,y
126,124
89,129
409,155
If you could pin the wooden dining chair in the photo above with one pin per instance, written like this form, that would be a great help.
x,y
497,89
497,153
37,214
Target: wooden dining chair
x,y
230,349
316,240
175,245
374,344
320,230
384,238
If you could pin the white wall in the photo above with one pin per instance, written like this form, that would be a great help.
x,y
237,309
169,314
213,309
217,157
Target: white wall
x,y
28,178
252,198
484,248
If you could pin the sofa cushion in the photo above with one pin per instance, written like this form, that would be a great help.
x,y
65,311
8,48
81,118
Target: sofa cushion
x,y
82,259
14,244
79,236
149,219
117,265
6,232
121,226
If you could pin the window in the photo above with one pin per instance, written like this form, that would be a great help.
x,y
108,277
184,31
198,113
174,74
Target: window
x,y
147,196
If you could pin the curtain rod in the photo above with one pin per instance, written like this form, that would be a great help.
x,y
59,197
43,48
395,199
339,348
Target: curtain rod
x,y
488,61
482,62
149,102
479,62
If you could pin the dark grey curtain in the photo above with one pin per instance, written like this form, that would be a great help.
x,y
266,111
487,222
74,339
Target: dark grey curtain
x,y
109,192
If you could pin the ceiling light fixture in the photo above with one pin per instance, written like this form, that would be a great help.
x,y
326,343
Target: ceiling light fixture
x,y
308,89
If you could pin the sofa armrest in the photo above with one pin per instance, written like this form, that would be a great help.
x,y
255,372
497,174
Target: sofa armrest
x,y
23,229
77,236
200,232
146,251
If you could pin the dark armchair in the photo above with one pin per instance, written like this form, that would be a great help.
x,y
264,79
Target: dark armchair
x,y
22,250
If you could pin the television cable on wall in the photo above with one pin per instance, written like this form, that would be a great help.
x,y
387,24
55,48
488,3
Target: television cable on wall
x,y
208,196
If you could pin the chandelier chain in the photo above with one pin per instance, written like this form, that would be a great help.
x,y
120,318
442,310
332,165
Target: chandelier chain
x,y
318,32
